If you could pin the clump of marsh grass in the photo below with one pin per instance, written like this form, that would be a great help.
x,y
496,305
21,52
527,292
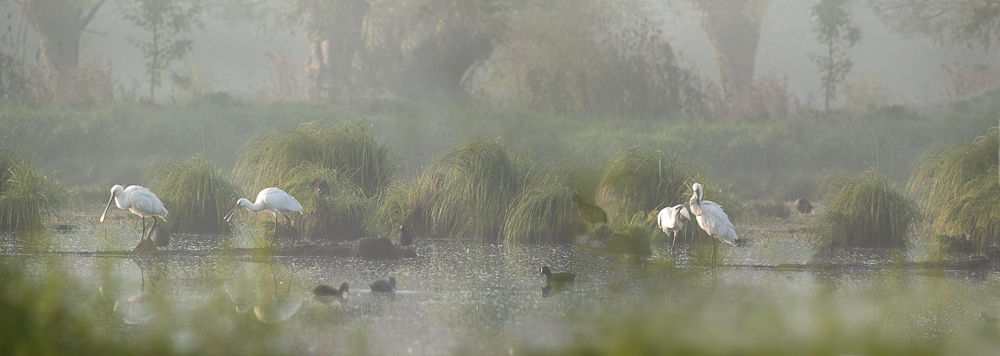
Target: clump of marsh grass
x,y
866,211
24,194
336,211
542,212
408,205
349,148
481,191
196,195
633,235
479,182
961,184
640,179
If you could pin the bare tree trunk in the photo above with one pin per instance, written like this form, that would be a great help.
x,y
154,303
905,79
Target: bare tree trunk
x,y
734,34
59,24
335,36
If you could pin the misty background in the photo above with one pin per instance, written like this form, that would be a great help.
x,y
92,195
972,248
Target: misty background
x,y
230,52
759,91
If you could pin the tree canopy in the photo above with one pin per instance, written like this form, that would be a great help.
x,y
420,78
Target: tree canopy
x,y
968,22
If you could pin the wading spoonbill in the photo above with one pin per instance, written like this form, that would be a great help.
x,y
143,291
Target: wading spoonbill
x,y
712,219
140,201
671,220
274,201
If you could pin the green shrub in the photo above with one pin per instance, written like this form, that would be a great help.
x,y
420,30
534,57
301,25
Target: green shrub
x,y
542,212
479,182
866,211
640,179
350,149
408,204
961,184
24,194
196,195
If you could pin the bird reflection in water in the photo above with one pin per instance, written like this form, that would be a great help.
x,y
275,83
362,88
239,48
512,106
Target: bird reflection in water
x,y
142,307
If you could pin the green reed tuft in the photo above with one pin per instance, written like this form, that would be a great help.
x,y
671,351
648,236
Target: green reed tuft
x,y
543,212
640,179
408,205
479,181
196,195
961,185
633,235
481,191
351,149
866,211
24,194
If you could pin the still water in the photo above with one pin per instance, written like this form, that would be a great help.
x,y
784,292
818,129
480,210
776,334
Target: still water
x,y
468,298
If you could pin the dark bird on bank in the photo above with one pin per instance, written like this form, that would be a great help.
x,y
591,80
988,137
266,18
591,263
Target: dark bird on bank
x,y
140,201
987,319
590,212
557,278
320,187
160,235
405,236
381,286
323,290
803,206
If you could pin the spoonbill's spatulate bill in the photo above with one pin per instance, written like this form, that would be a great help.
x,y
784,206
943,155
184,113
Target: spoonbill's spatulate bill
x,y
140,201
272,200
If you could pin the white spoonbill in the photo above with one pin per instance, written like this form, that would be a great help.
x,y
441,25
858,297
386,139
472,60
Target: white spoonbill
x,y
671,220
712,219
274,201
140,201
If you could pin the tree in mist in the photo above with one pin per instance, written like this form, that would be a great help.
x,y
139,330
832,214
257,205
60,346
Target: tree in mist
x,y
58,24
733,27
594,56
559,55
957,21
334,29
837,32
423,49
166,23
363,50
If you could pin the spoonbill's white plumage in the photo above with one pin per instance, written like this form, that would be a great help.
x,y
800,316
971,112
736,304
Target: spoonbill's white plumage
x,y
712,219
272,200
671,220
140,201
